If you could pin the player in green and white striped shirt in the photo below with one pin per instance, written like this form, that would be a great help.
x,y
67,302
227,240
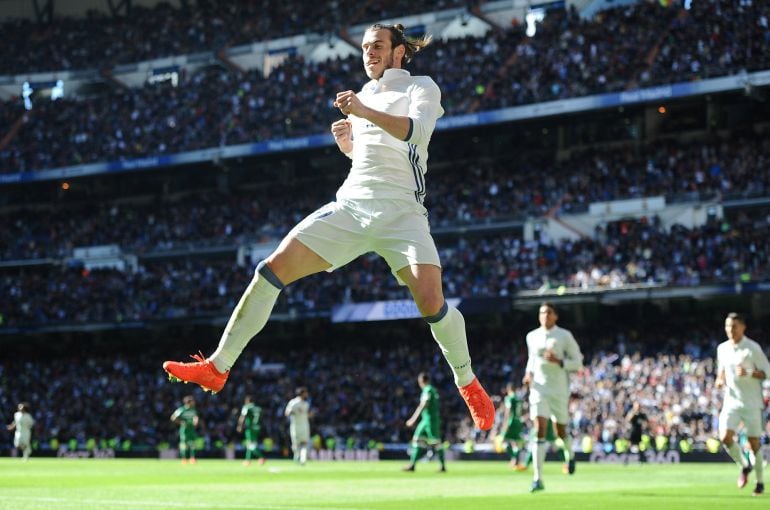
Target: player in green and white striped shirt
x,y
427,435
249,423
187,418
513,426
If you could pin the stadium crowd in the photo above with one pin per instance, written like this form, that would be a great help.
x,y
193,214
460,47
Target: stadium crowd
x,y
529,186
618,254
365,391
567,57
100,40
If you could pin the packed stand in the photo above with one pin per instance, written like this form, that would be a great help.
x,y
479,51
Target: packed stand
x,y
529,186
568,57
619,254
99,40
712,39
127,396
365,391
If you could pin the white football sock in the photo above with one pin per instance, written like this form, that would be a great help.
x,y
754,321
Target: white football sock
x,y
758,459
735,453
538,458
448,329
248,317
567,448
303,455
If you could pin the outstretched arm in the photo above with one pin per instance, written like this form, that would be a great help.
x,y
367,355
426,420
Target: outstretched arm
x,y
413,419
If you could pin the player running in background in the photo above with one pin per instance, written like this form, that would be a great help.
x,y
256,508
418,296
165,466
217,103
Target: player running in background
x,y
553,353
637,421
249,423
22,429
513,426
741,368
298,412
186,416
427,435
379,208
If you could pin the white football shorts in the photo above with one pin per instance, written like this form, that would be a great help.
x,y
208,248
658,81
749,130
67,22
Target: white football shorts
x,y
731,417
299,434
553,407
397,230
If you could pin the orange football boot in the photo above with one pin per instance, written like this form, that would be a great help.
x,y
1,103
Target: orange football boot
x,y
480,405
201,372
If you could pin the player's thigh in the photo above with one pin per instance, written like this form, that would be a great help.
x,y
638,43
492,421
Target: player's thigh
x,y
434,433
513,432
420,432
301,436
327,239
424,283
539,406
753,422
408,248
729,420
559,410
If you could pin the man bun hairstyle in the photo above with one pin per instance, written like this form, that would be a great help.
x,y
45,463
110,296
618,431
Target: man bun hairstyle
x,y
397,37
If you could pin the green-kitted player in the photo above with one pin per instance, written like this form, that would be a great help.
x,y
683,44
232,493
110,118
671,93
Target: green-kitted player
x,y
249,423
187,418
427,435
513,426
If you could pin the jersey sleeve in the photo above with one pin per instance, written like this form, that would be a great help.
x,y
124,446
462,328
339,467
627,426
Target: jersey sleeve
x,y
573,360
530,368
760,360
424,110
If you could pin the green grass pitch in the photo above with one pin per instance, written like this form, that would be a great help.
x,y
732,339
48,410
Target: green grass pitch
x,y
86,484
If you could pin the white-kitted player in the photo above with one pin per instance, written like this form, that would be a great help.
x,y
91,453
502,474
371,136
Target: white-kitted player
x,y
298,412
553,353
22,426
741,368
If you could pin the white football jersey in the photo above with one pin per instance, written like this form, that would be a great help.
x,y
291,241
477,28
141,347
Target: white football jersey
x,y
24,423
743,391
385,167
297,410
550,378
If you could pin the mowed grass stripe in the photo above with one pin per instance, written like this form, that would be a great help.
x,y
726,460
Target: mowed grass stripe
x,y
91,484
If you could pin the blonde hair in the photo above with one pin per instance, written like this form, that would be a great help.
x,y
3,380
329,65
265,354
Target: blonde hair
x,y
397,37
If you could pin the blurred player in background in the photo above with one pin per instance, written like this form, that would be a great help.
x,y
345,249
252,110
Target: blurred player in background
x,y
637,421
741,368
298,412
249,423
22,429
427,435
186,416
553,353
513,427
379,208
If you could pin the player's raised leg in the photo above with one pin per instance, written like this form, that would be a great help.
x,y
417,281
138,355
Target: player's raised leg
x,y
448,328
291,261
